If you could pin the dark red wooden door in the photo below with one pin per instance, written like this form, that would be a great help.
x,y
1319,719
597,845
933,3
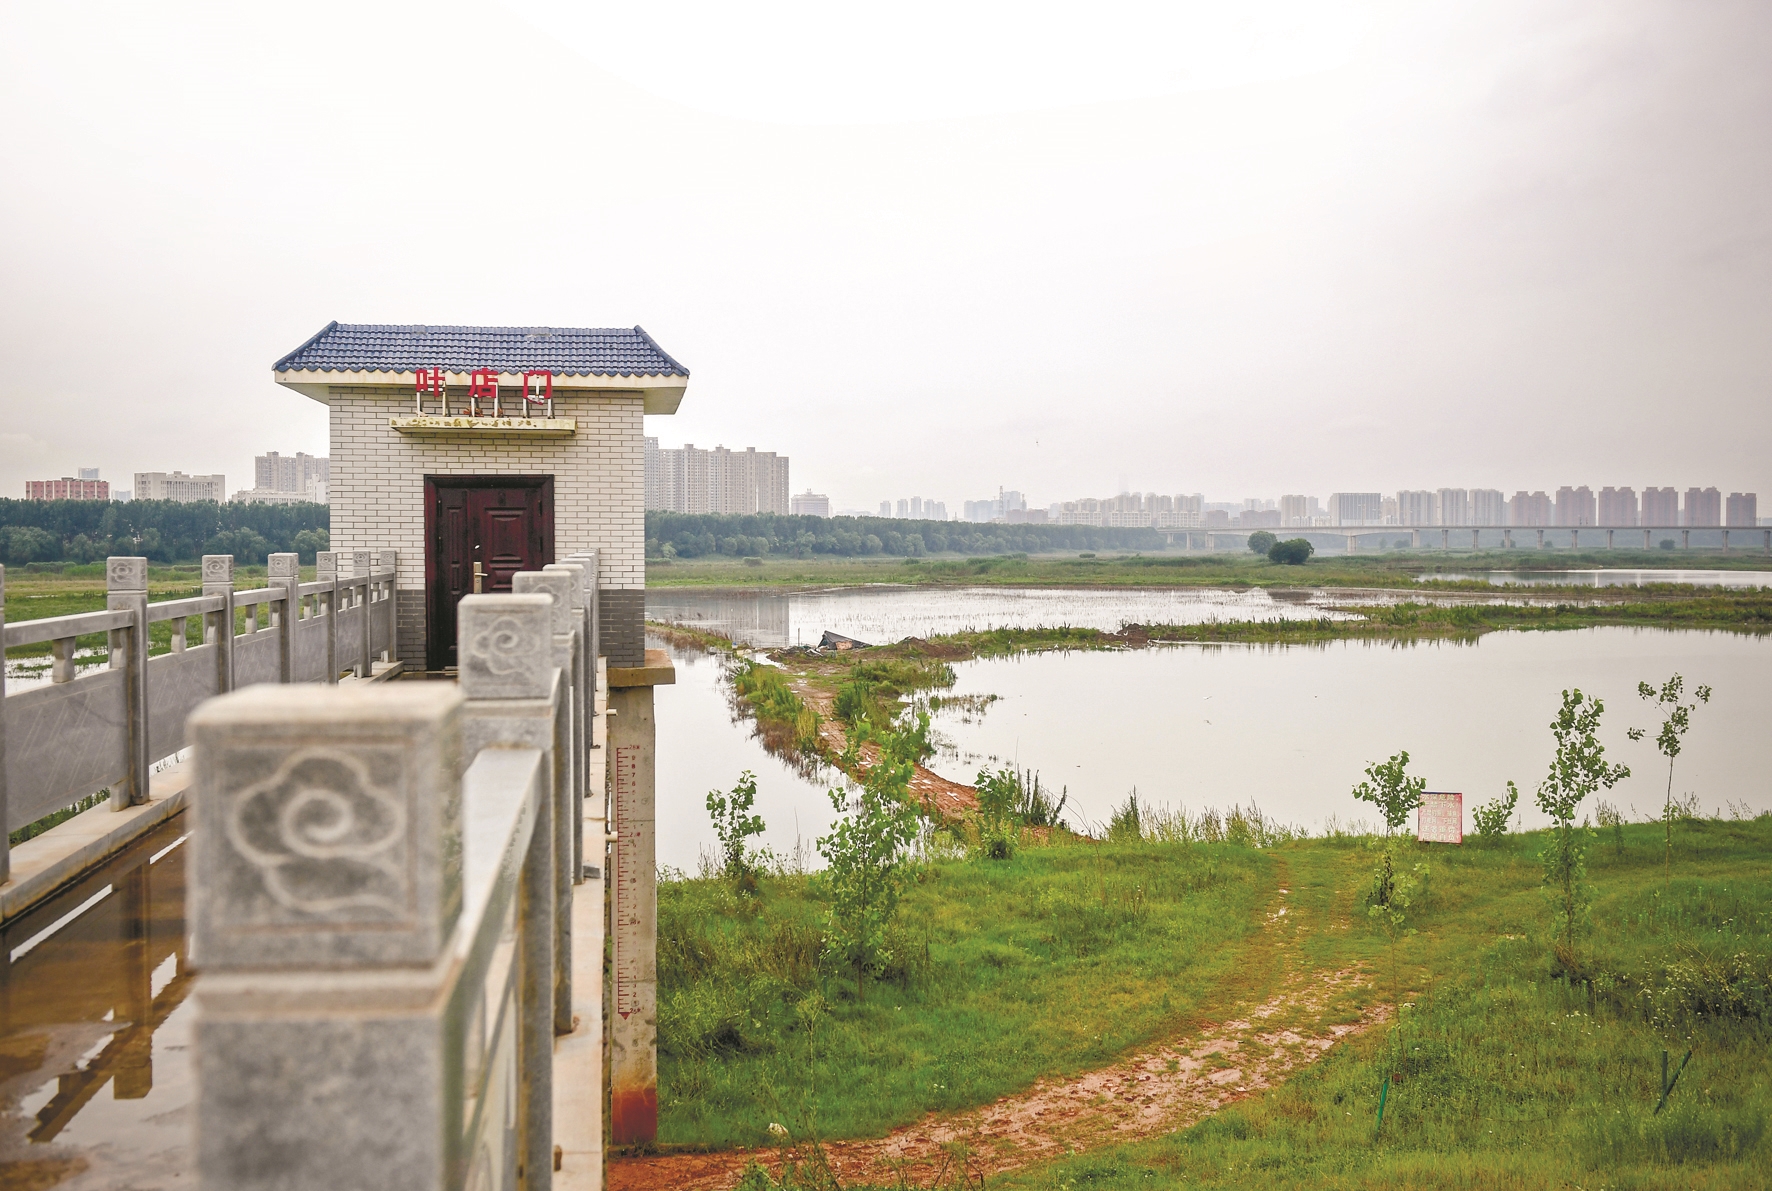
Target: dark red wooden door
x,y
505,523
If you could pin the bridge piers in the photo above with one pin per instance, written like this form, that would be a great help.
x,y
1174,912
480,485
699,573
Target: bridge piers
x,y
1541,539
1350,543
1608,539
1685,539
1415,539
1507,539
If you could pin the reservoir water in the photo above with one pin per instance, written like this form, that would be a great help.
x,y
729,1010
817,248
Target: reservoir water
x,y
1287,727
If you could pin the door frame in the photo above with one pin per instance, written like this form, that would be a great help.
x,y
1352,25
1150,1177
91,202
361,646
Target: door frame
x,y
436,653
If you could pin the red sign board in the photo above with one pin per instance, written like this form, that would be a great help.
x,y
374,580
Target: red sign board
x,y
1440,818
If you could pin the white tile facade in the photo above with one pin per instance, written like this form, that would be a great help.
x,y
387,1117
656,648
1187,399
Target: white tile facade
x,y
599,482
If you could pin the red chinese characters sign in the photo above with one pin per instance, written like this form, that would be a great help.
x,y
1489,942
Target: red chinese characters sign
x,y
1440,818
483,390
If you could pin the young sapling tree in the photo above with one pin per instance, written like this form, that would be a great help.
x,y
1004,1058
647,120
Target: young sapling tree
x,y
1676,722
734,825
1493,816
1389,787
1578,770
868,849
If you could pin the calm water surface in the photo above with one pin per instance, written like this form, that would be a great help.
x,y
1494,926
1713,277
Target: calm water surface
x,y
1288,727
1611,577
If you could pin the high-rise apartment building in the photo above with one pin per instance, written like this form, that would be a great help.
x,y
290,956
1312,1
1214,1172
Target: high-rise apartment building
x,y
1530,508
1488,507
1452,506
1661,507
1295,510
176,485
1356,508
1415,506
1743,509
692,480
87,487
1618,506
1575,506
1704,506
886,508
288,479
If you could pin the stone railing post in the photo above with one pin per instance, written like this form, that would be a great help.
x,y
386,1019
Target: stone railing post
x,y
326,603
388,561
583,696
326,869
218,628
126,589
505,652
5,813
557,585
362,566
283,572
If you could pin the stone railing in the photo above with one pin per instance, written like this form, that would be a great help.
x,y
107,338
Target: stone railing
x,y
376,914
63,740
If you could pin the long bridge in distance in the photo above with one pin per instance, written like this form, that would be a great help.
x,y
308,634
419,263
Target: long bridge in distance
x,y
1355,532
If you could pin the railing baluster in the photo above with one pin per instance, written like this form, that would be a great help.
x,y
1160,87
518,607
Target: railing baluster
x,y
126,590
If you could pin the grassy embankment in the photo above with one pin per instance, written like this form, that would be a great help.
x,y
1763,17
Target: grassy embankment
x,y
1506,1069
1393,569
1513,1072
1051,962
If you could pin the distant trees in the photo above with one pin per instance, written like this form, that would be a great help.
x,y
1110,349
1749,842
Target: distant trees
x,y
1261,541
1293,551
161,530
695,535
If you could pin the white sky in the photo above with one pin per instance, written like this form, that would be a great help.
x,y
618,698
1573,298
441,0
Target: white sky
x,y
922,248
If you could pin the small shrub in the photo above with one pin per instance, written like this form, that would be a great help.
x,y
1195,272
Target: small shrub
x,y
734,825
1493,816
1126,825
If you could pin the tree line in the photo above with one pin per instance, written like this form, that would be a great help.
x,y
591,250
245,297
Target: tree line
x,y
165,531
693,535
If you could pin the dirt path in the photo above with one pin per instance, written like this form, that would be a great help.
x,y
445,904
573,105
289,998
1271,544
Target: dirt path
x,y
949,799
1164,1087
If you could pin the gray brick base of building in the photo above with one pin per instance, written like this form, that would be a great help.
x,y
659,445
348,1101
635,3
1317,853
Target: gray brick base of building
x,y
623,627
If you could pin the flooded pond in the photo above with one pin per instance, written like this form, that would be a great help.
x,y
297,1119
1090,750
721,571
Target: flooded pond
x,y
1287,727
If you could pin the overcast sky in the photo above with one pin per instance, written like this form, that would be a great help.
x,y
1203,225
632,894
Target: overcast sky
x,y
922,248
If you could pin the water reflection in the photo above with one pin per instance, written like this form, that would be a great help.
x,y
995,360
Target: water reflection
x,y
1609,577
770,618
92,996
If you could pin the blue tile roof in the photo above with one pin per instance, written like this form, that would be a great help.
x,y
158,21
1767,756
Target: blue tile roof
x,y
564,351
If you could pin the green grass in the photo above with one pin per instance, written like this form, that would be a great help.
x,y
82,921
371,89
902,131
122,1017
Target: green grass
x,y
1513,1073
1004,971
1398,568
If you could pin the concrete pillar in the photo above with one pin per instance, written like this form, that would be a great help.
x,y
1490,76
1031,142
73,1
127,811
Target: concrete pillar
x,y
126,589
1445,539
1725,539
1645,539
1350,543
1768,551
1608,539
1685,539
1507,539
326,605
633,986
1541,539
1474,539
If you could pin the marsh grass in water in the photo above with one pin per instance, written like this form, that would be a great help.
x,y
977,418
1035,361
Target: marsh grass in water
x,y
1052,961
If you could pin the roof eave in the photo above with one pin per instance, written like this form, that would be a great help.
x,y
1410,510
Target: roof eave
x,y
662,394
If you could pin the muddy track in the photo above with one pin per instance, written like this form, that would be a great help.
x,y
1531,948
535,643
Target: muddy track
x,y
1158,1089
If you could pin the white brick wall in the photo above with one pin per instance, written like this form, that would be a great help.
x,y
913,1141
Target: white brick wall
x,y
599,478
